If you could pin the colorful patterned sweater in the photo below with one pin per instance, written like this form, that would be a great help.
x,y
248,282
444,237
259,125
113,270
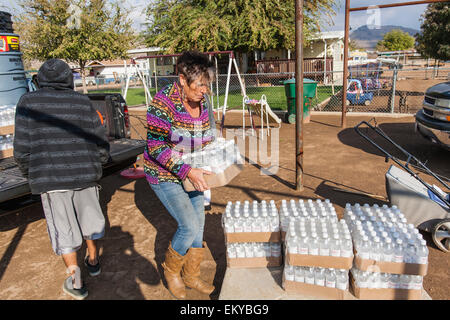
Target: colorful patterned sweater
x,y
171,133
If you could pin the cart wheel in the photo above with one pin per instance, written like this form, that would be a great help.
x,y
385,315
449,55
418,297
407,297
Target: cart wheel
x,y
441,235
347,102
367,102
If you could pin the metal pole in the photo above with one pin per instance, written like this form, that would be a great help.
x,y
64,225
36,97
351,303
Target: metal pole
x,y
299,93
394,82
345,75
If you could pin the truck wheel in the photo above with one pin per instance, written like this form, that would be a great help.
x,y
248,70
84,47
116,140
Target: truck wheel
x,y
441,235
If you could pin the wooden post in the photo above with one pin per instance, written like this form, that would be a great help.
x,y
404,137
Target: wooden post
x,y
299,93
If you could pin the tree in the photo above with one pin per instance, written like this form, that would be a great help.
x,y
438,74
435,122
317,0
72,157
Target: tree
x,y
74,30
242,25
434,41
395,40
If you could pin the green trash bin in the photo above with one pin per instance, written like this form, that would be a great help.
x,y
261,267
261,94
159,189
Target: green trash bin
x,y
309,92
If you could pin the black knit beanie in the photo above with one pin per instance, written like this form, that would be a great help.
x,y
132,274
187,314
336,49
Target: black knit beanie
x,y
56,74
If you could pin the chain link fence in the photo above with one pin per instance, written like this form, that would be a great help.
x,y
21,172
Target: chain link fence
x,y
381,90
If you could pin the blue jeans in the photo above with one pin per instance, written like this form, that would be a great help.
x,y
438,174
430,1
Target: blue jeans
x,y
187,208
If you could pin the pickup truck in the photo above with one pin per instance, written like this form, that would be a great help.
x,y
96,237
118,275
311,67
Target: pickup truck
x,y
14,188
433,120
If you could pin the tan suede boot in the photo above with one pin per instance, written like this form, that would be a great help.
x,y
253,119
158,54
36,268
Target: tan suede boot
x,y
172,268
191,271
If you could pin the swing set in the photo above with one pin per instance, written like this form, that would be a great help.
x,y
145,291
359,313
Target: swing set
x,y
144,76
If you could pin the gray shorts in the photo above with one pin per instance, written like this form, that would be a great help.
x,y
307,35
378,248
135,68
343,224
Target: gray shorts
x,y
72,216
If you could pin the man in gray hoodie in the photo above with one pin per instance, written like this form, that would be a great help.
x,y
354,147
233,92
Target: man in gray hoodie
x,y
60,146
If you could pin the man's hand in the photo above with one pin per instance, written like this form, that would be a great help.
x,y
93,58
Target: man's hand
x,y
198,180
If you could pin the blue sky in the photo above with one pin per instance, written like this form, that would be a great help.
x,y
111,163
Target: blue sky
x,y
407,16
402,16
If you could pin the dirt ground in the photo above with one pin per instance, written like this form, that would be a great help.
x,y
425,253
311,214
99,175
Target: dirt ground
x,y
139,228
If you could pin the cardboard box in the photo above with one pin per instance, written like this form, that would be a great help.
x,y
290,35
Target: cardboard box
x,y
304,260
384,294
7,130
6,153
239,237
314,290
217,180
391,267
254,262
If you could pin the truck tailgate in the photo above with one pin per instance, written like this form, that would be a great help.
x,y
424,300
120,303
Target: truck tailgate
x,y
14,185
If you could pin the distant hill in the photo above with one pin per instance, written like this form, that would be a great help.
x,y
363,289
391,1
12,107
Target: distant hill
x,y
368,38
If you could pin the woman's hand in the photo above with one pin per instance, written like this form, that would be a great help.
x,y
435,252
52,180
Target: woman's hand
x,y
198,180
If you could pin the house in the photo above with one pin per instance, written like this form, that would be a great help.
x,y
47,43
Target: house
x,y
323,58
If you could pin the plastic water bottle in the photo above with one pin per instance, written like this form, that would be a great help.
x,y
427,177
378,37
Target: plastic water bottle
x,y
372,280
240,251
309,276
231,251
259,250
416,282
384,280
275,249
363,279
411,254
405,281
248,248
314,245
274,222
289,273
346,247
319,277
342,279
303,247
299,275
330,278
422,253
324,246
394,281
388,251
335,247
375,250
238,224
267,249
398,251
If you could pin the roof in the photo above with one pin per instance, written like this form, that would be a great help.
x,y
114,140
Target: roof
x,y
329,35
109,63
145,50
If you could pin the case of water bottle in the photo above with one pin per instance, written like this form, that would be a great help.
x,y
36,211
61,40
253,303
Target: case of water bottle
x,y
251,222
222,157
7,116
367,285
327,283
391,256
384,241
252,234
297,210
323,243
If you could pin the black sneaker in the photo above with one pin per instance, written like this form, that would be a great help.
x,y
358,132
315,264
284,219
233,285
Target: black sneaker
x,y
208,207
79,294
93,270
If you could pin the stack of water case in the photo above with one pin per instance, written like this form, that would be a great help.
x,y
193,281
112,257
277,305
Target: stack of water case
x,y
391,256
13,83
318,250
252,234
